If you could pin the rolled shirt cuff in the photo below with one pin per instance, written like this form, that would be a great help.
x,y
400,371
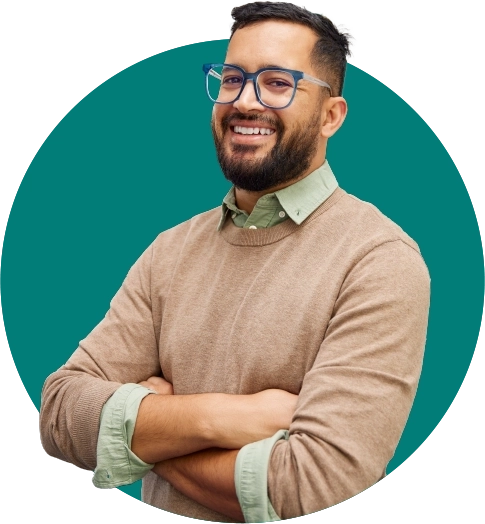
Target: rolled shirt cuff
x,y
117,465
251,479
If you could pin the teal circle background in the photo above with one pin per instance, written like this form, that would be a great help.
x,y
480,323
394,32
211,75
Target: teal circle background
x,y
136,157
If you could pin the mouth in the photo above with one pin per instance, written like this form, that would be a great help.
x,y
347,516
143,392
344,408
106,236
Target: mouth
x,y
251,134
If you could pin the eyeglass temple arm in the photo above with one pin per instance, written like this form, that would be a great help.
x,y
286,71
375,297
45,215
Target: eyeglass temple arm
x,y
316,81
213,73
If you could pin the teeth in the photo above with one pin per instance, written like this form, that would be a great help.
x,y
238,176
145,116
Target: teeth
x,y
253,130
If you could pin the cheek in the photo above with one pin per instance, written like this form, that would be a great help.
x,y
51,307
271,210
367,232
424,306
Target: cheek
x,y
218,112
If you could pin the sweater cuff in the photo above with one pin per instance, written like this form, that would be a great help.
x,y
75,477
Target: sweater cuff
x,y
117,465
251,479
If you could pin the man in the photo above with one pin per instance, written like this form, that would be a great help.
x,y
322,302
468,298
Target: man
x,y
283,336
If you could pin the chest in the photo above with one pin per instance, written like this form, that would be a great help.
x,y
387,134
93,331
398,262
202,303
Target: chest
x,y
255,326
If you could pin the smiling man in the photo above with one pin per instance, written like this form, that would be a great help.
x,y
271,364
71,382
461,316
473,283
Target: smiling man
x,y
260,360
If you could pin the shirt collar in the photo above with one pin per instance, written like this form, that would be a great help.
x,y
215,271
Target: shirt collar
x,y
298,200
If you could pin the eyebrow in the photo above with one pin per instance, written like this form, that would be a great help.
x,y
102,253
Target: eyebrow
x,y
262,67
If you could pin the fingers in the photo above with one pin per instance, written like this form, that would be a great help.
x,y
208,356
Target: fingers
x,y
159,385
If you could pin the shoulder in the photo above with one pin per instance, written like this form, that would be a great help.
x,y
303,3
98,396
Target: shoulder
x,y
366,224
357,235
169,243
206,221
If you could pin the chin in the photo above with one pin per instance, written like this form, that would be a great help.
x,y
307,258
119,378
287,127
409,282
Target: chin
x,y
255,152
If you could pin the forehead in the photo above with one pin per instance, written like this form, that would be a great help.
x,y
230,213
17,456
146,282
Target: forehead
x,y
272,43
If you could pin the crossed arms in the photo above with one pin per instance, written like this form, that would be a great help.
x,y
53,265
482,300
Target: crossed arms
x,y
349,414
170,431
193,440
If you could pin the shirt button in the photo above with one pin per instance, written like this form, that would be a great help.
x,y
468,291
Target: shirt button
x,y
234,215
252,227
281,214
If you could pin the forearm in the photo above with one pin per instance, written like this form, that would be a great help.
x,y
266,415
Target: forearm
x,y
206,477
169,426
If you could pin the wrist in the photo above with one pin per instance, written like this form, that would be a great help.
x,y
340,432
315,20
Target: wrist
x,y
228,417
163,469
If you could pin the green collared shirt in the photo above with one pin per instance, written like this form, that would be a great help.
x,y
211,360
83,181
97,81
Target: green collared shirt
x,y
296,202
117,465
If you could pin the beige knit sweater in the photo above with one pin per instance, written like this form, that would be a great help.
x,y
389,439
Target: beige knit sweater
x,y
334,310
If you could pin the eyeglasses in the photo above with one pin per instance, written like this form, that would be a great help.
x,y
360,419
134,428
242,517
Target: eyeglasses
x,y
275,87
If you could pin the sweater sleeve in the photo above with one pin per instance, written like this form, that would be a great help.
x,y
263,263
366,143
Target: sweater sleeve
x,y
121,349
356,398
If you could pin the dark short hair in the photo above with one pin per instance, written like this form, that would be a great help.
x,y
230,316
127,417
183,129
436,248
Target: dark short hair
x,y
329,55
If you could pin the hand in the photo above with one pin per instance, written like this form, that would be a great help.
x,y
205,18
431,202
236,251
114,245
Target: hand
x,y
244,419
275,409
158,384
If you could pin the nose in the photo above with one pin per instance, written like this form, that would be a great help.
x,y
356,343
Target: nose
x,y
248,100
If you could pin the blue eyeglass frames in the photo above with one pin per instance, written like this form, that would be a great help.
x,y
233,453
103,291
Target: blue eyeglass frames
x,y
275,87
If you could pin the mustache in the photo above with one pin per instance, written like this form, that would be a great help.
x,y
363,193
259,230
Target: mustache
x,y
262,119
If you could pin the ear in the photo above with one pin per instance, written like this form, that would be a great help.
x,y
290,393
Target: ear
x,y
334,111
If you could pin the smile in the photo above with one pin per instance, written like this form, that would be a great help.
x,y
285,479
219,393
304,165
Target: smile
x,y
242,130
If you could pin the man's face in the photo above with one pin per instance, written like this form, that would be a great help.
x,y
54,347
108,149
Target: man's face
x,y
257,162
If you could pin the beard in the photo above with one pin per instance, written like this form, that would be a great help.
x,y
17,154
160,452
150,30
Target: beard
x,y
286,161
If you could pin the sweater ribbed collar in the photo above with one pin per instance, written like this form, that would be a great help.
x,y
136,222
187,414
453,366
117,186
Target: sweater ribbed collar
x,y
239,236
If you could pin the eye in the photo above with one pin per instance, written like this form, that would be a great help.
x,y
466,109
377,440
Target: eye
x,y
278,83
231,81
276,80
